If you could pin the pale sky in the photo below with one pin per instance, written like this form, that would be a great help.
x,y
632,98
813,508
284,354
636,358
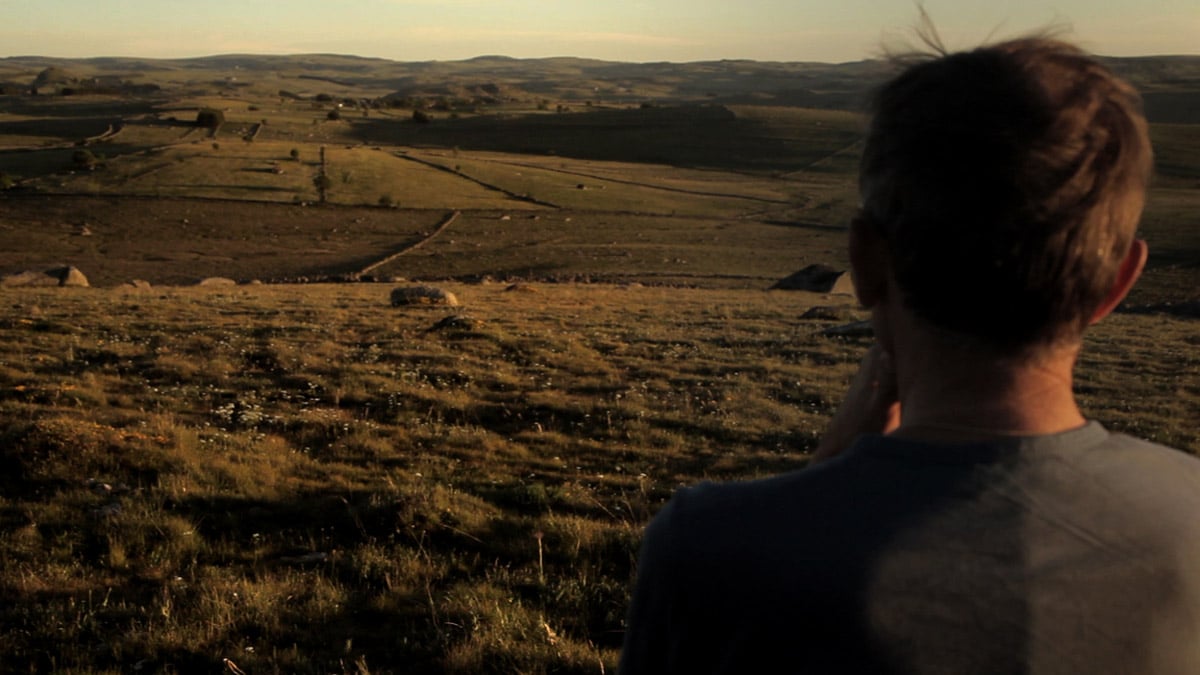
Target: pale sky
x,y
619,30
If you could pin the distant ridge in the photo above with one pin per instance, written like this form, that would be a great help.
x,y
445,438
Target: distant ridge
x,y
1170,83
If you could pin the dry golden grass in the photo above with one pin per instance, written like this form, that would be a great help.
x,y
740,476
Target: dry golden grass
x,y
304,479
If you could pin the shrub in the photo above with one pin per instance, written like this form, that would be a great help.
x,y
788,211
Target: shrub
x,y
334,114
295,154
420,117
84,159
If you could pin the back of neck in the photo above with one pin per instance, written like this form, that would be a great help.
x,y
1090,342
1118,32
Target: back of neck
x,y
963,397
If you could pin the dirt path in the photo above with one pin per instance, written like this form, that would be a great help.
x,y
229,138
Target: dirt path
x,y
446,222
826,158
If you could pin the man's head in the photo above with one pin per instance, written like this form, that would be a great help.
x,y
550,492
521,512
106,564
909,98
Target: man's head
x,y
1006,184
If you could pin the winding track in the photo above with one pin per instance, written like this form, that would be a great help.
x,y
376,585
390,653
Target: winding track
x,y
446,222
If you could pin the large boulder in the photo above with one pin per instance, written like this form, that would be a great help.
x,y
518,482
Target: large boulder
x,y
422,295
818,278
216,282
63,275
70,276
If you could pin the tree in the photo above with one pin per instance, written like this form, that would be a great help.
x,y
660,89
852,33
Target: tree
x,y
210,118
322,182
334,114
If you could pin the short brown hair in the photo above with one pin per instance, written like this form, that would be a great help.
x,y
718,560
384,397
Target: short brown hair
x,y
1008,182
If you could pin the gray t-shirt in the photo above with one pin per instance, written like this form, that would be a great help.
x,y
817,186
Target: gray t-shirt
x,y
1072,553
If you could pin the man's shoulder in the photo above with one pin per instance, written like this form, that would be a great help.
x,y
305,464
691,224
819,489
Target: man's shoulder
x,y
1137,476
1119,458
1142,449
760,494
744,510
880,472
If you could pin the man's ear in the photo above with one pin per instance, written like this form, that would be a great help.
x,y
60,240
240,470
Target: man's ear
x,y
868,262
1127,275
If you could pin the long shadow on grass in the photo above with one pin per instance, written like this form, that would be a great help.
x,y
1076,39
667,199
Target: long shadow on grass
x,y
688,136
392,621
400,638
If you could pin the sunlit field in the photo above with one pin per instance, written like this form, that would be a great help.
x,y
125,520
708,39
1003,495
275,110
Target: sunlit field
x,y
285,476
305,479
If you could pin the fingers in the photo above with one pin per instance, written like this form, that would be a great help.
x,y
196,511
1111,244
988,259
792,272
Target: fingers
x,y
871,405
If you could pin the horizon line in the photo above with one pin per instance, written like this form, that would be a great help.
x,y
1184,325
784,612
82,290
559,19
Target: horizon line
x,y
504,57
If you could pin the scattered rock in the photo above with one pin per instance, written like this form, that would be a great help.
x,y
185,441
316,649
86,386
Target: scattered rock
x,y
100,487
97,486
856,329
28,279
817,278
455,322
67,275
422,295
826,313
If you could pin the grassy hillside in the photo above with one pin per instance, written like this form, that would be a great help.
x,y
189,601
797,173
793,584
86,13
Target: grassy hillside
x,y
303,479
